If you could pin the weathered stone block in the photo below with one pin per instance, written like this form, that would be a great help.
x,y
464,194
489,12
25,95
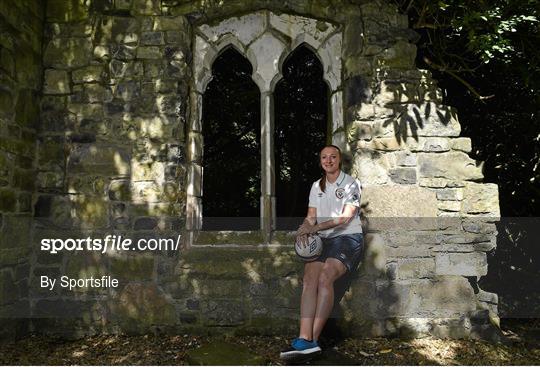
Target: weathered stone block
x,y
438,183
89,74
450,206
123,52
17,146
388,144
56,82
23,179
90,212
144,224
174,23
68,53
14,256
169,104
396,92
399,202
146,7
124,30
149,52
177,38
223,313
450,194
154,171
25,200
403,175
141,207
56,209
481,199
54,30
427,119
8,200
451,165
415,268
478,225
401,55
122,4
87,184
99,158
404,158
462,144
152,38
146,192
414,248
95,93
372,167
455,328
438,297
119,190
153,69
431,144
101,53
217,288
466,264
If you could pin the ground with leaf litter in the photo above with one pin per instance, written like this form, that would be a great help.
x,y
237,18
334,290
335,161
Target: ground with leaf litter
x,y
521,346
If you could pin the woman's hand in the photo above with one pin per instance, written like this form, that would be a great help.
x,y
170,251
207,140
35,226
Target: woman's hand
x,y
306,228
303,239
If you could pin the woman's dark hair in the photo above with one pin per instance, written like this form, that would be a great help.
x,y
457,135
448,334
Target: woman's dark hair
x,y
322,181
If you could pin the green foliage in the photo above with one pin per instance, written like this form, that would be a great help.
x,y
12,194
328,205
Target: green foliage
x,y
461,35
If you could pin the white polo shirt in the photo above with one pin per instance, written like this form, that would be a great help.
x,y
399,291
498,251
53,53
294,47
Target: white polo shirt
x,y
330,204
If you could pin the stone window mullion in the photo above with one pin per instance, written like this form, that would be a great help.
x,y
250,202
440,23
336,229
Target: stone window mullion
x,y
268,189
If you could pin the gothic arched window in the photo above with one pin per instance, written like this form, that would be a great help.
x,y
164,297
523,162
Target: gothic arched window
x,y
231,160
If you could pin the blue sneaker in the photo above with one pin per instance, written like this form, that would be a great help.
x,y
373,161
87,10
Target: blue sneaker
x,y
300,348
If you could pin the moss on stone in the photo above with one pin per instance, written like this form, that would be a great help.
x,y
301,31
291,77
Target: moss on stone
x,y
66,10
27,109
250,263
141,306
8,200
229,237
223,353
132,268
6,101
15,255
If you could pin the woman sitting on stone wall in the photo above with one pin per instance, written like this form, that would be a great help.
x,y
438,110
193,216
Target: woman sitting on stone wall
x,y
333,213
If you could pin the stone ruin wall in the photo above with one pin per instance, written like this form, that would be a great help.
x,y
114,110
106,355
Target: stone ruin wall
x,y
112,156
20,85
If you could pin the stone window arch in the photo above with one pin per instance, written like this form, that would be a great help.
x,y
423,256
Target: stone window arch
x,y
265,39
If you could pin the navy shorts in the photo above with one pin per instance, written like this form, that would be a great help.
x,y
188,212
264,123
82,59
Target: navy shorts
x,y
347,248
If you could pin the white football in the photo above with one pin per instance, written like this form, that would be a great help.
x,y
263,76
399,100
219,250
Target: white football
x,y
311,251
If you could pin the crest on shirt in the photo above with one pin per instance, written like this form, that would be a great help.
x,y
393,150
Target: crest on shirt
x,y
340,192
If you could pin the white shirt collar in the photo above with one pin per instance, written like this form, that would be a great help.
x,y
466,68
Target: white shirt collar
x,y
338,181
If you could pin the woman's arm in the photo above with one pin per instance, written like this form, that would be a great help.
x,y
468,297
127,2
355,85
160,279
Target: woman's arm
x,y
349,211
309,221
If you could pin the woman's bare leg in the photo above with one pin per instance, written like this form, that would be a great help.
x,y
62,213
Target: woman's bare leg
x,y
332,270
308,304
